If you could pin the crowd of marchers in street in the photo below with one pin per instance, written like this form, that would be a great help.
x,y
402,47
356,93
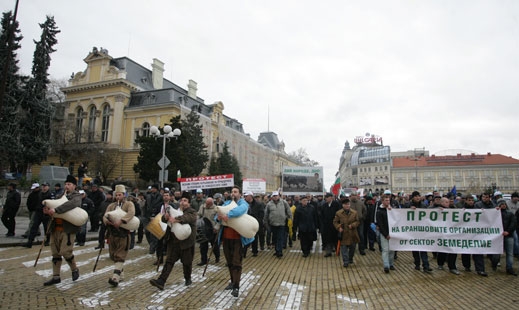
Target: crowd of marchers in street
x,y
344,224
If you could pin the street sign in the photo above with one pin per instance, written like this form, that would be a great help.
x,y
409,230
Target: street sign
x,y
163,177
164,162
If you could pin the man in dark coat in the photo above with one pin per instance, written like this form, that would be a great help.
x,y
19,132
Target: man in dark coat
x,y
329,234
306,223
97,198
179,249
11,206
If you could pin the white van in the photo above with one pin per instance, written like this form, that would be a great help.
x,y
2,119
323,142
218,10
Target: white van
x,y
53,175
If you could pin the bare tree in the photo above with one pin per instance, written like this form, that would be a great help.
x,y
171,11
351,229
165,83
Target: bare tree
x,y
301,156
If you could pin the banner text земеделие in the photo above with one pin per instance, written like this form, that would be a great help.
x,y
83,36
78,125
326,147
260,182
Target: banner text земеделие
x,y
469,231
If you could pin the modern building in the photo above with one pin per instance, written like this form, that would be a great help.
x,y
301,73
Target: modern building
x,y
115,100
367,165
472,173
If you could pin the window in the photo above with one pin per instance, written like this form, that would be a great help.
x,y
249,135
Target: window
x,y
106,123
146,129
79,124
91,124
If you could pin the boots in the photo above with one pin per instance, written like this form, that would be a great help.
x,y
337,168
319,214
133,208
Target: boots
x,y
75,271
114,280
56,269
28,244
159,283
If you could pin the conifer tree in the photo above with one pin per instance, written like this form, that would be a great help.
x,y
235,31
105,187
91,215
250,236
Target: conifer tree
x,y
12,81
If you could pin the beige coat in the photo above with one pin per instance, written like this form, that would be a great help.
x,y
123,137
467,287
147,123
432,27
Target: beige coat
x,y
343,220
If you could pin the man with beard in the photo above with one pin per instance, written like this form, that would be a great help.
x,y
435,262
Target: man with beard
x,y
179,249
233,242
118,237
63,233
329,234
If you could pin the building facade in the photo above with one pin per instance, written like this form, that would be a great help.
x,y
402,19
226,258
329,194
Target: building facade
x,y
115,100
374,167
472,173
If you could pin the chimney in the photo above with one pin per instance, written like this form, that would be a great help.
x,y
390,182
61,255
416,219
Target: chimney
x,y
157,74
191,89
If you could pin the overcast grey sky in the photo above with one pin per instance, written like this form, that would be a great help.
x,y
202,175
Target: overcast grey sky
x,y
434,74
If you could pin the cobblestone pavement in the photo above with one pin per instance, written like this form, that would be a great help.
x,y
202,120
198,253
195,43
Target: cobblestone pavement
x,y
292,282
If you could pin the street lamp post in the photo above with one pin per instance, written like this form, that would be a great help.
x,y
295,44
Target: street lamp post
x,y
164,161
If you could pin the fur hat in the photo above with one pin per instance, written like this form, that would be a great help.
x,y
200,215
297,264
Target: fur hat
x,y
186,195
71,179
119,188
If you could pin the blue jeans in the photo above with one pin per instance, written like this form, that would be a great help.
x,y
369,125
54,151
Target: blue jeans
x,y
388,256
278,236
508,246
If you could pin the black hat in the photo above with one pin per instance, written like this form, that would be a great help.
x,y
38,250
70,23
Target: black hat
x,y
13,185
186,195
155,186
328,195
57,185
415,193
71,179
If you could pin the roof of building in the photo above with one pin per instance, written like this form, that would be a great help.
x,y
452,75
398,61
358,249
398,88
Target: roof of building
x,y
455,160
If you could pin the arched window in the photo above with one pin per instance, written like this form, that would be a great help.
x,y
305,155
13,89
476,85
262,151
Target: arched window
x,y
146,129
92,124
106,123
79,124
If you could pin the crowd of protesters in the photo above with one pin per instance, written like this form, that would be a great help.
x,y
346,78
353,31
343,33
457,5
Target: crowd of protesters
x,y
344,224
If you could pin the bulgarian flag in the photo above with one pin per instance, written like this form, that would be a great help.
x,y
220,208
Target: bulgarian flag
x,y
336,186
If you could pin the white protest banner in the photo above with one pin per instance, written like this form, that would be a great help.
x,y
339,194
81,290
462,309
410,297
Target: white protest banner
x,y
302,180
467,231
211,181
257,186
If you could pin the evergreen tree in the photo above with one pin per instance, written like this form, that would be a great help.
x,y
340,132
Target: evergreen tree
x,y
12,82
226,163
188,153
38,109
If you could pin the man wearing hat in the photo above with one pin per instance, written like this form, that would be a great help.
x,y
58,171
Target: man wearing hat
x,y
63,233
277,212
57,192
199,200
118,237
179,249
11,206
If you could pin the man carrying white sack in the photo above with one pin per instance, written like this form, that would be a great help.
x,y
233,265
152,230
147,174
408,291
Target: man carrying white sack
x,y
118,237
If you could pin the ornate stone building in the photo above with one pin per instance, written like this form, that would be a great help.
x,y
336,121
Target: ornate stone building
x,y
114,100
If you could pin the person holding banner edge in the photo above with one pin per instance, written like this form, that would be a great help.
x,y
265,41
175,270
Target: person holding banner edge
x,y
388,256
